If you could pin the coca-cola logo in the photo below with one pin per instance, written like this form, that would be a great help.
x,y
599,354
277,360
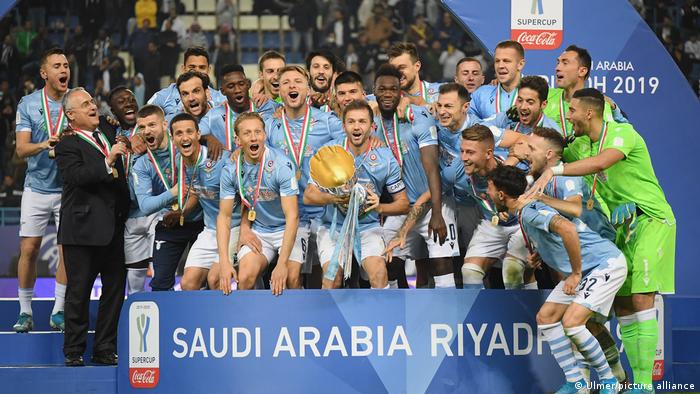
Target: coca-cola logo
x,y
144,377
540,39
658,371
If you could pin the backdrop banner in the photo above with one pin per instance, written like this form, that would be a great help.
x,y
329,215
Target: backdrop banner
x,y
345,341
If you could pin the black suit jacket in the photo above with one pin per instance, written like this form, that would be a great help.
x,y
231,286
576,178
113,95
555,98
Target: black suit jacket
x,y
94,204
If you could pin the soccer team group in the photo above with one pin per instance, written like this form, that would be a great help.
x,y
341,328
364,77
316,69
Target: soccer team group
x,y
459,177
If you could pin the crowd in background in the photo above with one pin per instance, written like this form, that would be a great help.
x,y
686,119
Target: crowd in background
x,y
153,33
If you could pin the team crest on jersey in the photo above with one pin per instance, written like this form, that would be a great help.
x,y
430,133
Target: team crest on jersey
x,y
602,177
373,157
270,166
267,195
404,147
208,165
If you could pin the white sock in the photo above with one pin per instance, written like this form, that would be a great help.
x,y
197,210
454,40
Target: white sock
x,y
136,279
583,364
590,349
380,288
530,286
60,295
25,300
561,349
445,281
393,284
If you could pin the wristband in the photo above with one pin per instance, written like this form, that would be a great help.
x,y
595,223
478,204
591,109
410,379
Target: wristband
x,y
558,169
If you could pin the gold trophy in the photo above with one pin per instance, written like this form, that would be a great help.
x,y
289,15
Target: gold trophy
x,y
333,171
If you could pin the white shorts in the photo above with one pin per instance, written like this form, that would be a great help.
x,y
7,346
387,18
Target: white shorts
x,y
272,242
36,210
139,235
495,241
371,243
204,251
597,289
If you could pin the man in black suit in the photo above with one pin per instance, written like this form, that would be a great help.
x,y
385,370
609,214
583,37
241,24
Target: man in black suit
x,y
95,204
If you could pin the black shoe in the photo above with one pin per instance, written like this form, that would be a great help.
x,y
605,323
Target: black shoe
x,y
74,360
105,358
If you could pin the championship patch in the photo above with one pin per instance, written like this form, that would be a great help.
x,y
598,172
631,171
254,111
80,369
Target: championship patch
x,y
618,141
433,132
293,183
544,212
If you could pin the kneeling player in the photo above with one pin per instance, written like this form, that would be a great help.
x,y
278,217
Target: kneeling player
x,y
264,179
375,169
594,268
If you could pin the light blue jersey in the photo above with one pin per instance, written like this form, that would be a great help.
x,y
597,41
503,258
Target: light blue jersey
x,y
375,170
477,189
42,172
428,90
451,165
324,128
169,100
484,103
503,122
278,180
595,250
152,195
134,210
204,180
563,187
413,136
214,122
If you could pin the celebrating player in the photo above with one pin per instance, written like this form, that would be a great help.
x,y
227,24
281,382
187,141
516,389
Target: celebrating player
x,y
348,88
572,71
414,145
404,56
469,74
375,169
488,100
496,237
198,176
219,120
139,230
267,87
194,87
617,159
264,179
322,66
156,189
195,59
299,133
594,271
40,122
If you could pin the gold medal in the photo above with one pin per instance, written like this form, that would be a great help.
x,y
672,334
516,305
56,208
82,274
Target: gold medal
x,y
175,207
182,220
494,220
298,175
52,153
251,215
115,173
590,204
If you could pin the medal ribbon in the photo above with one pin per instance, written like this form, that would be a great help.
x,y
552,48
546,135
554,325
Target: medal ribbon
x,y
161,174
562,117
396,146
54,131
603,134
297,154
483,201
239,176
498,98
522,230
182,196
423,86
87,137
